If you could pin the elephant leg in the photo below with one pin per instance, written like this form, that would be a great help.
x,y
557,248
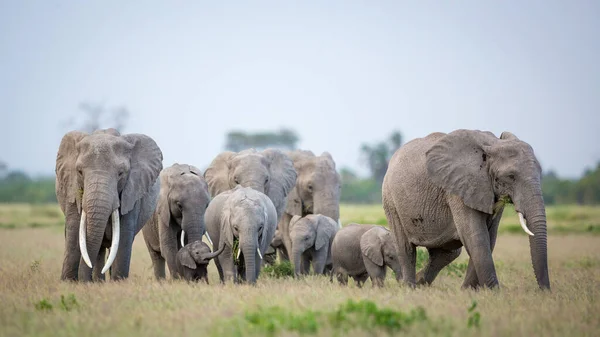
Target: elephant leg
x,y
96,274
305,263
319,259
342,278
70,267
169,249
438,259
473,233
407,252
471,280
226,267
120,268
360,279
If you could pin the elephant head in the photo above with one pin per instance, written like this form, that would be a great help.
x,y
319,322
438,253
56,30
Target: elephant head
x,y
313,230
270,172
196,254
183,200
377,244
318,185
485,172
104,174
249,217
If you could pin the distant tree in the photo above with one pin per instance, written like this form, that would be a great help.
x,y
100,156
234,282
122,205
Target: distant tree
x,y
96,116
239,140
377,156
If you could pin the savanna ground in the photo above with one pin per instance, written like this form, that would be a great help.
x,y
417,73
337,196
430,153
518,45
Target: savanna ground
x,y
33,302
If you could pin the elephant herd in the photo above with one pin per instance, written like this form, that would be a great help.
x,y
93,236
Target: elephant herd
x,y
441,192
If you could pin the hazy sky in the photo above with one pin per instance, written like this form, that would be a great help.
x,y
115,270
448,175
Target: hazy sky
x,y
339,72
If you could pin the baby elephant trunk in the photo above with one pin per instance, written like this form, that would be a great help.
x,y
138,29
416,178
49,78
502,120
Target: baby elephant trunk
x,y
214,254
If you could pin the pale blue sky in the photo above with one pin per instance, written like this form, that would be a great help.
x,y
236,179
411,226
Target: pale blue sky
x,y
339,72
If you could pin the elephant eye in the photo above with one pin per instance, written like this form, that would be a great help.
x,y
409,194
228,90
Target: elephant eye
x,y
511,176
310,187
179,206
235,180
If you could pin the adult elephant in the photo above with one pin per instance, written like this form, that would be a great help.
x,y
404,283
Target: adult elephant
x,y
179,215
103,178
269,171
317,191
446,191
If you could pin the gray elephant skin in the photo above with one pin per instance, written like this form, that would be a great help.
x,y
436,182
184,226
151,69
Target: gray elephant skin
x,y
179,216
192,260
445,191
104,178
317,191
270,172
364,251
244,221
311,237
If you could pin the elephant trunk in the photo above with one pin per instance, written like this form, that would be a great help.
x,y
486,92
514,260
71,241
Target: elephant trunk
x,y
214,254
327,203
297,260
534,218
249,247
192,224
100,199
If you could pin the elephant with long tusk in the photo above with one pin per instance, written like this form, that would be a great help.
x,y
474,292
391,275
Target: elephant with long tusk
x,y
445,191
243,221
179,216
107,187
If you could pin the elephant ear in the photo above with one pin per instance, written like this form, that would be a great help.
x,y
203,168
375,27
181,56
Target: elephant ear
x,y
186,258
457,163
163,208
145,166
217,174
326,229
226,230
370,246
270,216
67,189
282,180
329,158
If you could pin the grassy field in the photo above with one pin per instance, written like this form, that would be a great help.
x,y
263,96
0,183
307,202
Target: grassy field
x,y
33,302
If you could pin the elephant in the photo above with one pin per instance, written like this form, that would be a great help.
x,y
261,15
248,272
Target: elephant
x,y
446,191
244,221
192,261
364,251
317,191
104,177
269,171
179,215
311,243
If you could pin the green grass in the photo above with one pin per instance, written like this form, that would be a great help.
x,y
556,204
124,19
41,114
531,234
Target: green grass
x,y
568,219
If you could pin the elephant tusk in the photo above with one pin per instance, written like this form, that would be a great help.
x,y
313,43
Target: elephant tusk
x,y
208,238
114,246
339,223
238,254
182,238
524,224
83,240
259,254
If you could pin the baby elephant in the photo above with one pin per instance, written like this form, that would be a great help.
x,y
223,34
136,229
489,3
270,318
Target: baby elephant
x,y
362,251
311,238
192,261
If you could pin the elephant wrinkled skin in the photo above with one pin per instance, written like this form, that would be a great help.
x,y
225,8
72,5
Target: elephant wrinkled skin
x,y
446,191
104,178
179,216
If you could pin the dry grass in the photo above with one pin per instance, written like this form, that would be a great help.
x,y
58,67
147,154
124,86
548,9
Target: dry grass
x,y
32,258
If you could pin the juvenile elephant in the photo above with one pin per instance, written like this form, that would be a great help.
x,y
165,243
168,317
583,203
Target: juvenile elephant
x,y
446,191
317,191
363,251
192,261
244,221
311,243
101,178
270,172
179,215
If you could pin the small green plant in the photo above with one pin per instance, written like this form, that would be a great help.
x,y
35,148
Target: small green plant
x,y
422,257
457,269
35,266
474,316
68,303
43,305
279,270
